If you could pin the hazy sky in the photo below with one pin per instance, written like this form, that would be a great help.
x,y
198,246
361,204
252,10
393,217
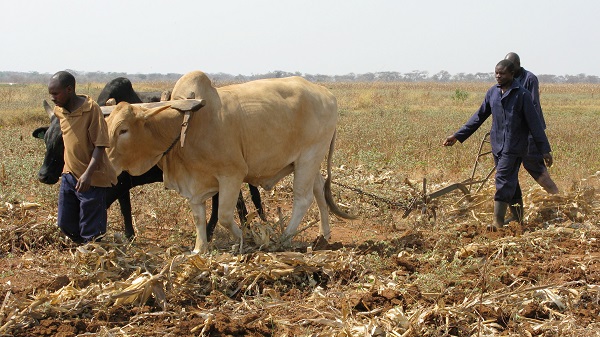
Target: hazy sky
x,y
331,37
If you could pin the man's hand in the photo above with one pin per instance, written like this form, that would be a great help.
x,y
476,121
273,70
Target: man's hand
x,y
548,159
450,140
84,182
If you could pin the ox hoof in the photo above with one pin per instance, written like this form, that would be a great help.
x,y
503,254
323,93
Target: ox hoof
x,y
238,248
197,251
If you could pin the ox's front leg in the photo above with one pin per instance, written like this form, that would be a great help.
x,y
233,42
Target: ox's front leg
x,y
228,196
199,210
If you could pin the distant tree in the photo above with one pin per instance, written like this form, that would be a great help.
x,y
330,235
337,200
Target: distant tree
x,y
318,78
367,77
385,76
484,77
470,77
545,78
278,74
388,76
561,79
459,77
580,78
416,75
240,78
345,78
442,76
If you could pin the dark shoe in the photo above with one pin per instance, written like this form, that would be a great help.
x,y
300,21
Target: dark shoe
x,y
76,239
95,239
499,214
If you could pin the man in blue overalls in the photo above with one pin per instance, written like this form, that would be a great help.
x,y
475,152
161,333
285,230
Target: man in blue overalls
x,y
533,162
514,118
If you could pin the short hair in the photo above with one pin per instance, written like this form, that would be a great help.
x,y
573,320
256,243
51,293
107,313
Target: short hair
x,y
514,58
65,79
506,64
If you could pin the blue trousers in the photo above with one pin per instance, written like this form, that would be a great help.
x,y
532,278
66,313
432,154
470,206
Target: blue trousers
x,y
81,216
533,162
507,178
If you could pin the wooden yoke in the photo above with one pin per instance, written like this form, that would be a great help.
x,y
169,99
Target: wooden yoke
x,y
181,105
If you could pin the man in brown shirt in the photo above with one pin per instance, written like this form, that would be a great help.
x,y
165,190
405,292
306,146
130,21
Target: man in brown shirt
x,y
87,171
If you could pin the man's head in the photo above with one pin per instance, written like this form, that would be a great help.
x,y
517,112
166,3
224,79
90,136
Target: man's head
x,y
504,71
514,58
61,88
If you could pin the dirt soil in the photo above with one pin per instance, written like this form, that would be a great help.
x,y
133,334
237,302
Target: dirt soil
x,y
437,272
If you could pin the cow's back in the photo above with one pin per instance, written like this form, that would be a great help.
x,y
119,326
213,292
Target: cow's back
x,y
276,120
259,127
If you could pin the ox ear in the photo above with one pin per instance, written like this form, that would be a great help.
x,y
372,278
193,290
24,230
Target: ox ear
x,y
48,109
39,132
152,112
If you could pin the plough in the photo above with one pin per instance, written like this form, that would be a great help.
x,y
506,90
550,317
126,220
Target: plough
x,y
465,186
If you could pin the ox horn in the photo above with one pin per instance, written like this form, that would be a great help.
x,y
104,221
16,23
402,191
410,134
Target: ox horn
x,y
165,95
106,110
150,113
48,109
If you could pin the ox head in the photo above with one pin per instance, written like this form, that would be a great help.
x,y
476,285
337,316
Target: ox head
x,y
141,134
133,136
121,90
54,161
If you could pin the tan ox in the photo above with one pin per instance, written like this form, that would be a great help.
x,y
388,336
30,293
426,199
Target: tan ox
x,y
257,132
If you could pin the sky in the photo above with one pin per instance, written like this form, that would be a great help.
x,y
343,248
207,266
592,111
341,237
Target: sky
x,y
328,37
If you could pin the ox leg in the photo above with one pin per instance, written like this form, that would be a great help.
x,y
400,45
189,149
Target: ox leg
x,y
241,209
319,192
303,197
199,210
228,196
214,217
125,203
255,193
121,192
212,222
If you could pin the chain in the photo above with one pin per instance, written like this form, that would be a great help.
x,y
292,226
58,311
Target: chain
x,y
396,204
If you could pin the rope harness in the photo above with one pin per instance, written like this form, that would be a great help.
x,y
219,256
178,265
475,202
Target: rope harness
x,y
172,145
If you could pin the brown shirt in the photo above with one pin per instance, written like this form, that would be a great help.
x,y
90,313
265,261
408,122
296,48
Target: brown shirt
x,y
83,130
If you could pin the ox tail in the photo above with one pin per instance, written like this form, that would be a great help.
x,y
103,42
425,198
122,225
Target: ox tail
x,y
333,207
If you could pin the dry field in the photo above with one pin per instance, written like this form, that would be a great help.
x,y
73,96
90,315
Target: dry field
x,y
436,272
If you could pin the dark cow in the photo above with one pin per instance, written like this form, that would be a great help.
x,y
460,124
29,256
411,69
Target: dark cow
x,y
122,91
51,169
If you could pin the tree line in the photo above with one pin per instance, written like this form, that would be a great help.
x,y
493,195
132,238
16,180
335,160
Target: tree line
x,y
384,76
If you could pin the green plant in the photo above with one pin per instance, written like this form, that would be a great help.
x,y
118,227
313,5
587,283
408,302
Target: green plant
x,y
460,95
